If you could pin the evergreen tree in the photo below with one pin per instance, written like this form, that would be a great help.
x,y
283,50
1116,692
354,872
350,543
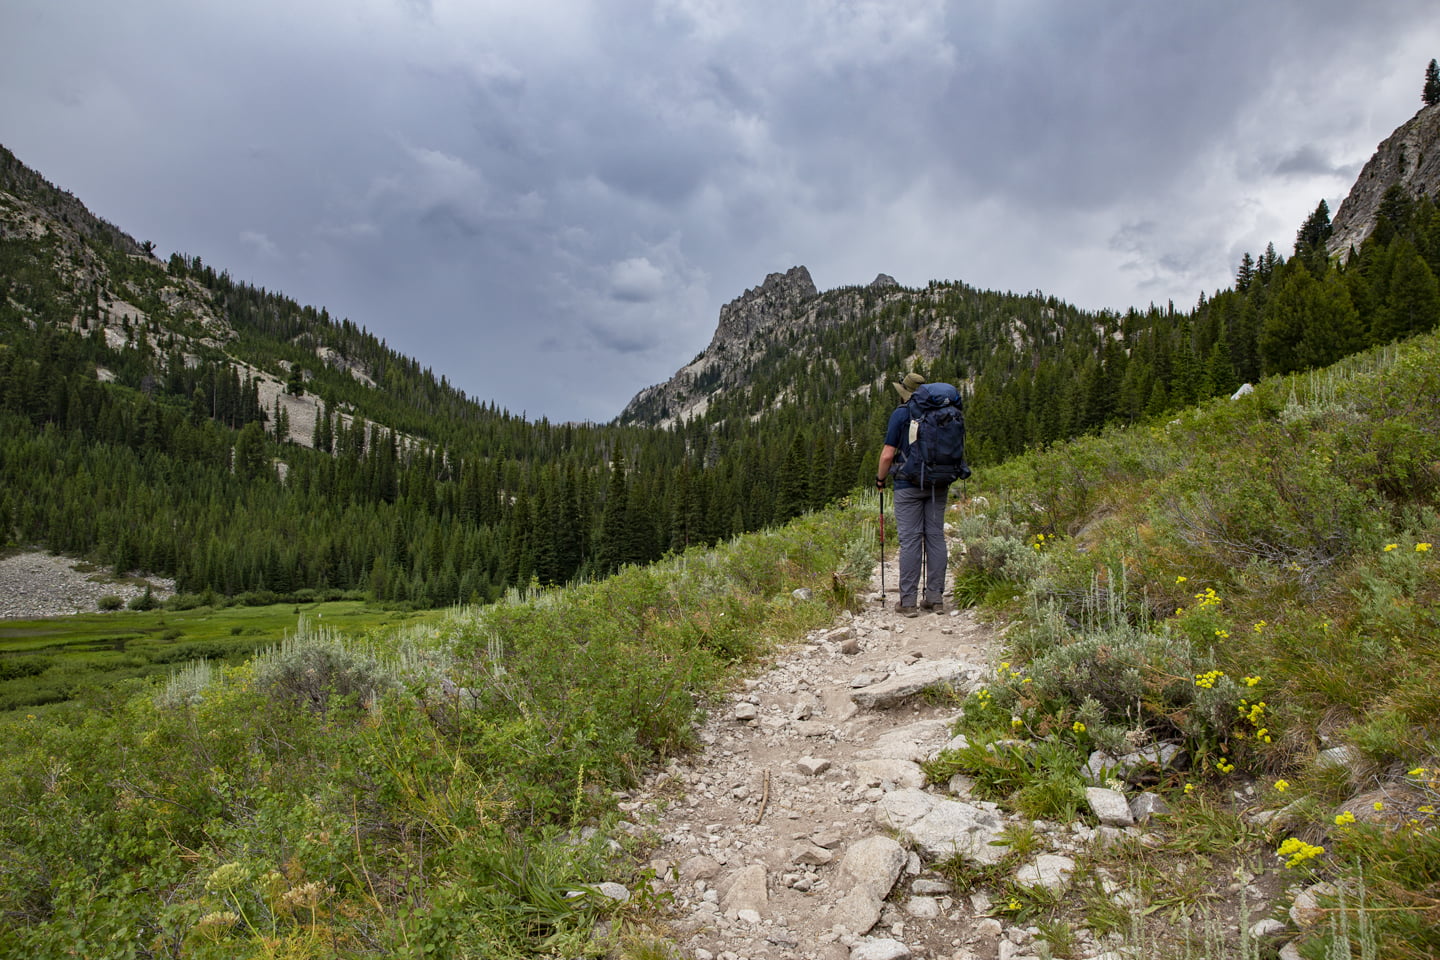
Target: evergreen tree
x,y
1431,92
793,494
1246,273
251,456
1412,303
613,546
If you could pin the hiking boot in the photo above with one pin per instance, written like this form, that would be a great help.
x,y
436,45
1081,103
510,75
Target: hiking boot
x,y
907,611
935,606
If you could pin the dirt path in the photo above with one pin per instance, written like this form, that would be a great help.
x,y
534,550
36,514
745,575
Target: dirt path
x,y
777,837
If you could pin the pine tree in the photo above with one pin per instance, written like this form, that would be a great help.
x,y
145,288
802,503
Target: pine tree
x,y
1246,273
1431,92
614,520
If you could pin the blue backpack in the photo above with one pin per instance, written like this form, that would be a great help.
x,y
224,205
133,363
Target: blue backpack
x,y
935,456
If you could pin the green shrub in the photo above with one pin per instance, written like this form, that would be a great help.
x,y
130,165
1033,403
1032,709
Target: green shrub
x,y
316,668
24,665
144,601
110,602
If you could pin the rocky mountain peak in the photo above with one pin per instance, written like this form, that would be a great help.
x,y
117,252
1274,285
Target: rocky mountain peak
x,y
757,309
1409,157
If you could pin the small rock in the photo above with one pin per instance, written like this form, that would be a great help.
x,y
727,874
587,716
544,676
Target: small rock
x,y
902,773
873,863
745,890
886,949
802,594
809,853
812,766
929,887
923,908
850,646
961,785
1147,805
1098,768
1306,911
746,711
1109,806
857,911
1269,927
613,891
988,928
1050,871
1148,763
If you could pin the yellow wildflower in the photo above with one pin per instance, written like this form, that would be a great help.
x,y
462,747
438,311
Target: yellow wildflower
x,y
1422,547
1344,819
1391,546
1297,852
1078,727
1282,785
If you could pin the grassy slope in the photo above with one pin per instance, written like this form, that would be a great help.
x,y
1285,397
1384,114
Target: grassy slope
x,y
414,795
1254,580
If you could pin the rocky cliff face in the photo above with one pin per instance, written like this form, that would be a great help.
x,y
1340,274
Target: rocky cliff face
x,y
752,324
757,310
1409,157
747,323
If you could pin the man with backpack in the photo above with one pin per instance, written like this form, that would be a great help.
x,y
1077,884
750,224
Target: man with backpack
x,y
925,448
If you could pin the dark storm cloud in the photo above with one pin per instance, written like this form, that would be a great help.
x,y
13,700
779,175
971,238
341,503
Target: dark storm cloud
x,y
1307,160
576,188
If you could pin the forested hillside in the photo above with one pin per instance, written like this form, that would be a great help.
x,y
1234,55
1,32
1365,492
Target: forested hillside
x,y
1040,370
146,410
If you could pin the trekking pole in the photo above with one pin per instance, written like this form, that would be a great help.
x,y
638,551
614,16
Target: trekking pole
x,y
882,548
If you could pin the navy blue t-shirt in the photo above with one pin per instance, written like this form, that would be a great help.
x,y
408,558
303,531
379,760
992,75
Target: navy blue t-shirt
x,y
897,435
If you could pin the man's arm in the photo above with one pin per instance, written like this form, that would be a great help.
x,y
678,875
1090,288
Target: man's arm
x,y
887,457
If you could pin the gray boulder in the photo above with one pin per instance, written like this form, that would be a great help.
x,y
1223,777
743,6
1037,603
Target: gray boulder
x,y
914,679
941,828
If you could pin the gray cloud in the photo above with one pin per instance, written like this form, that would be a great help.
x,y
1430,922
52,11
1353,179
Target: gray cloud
x,y
1308,160
496,188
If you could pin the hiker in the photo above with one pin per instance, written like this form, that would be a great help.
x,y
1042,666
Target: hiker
x,y
920,497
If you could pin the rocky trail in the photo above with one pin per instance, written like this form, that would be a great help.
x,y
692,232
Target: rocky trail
x,y
804,828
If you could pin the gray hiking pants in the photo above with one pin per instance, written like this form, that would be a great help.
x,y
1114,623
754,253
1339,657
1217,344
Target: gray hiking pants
x,y
920,523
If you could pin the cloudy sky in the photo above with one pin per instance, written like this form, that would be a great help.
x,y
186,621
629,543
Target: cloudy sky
x,y
548,201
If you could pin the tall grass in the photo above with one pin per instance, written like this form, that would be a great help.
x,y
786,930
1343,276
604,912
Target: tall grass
x,y
425,790
1255,581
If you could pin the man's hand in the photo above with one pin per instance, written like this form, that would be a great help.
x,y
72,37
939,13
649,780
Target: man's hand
x,y
879,483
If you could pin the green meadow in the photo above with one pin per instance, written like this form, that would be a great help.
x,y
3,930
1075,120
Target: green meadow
x,y
56,659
